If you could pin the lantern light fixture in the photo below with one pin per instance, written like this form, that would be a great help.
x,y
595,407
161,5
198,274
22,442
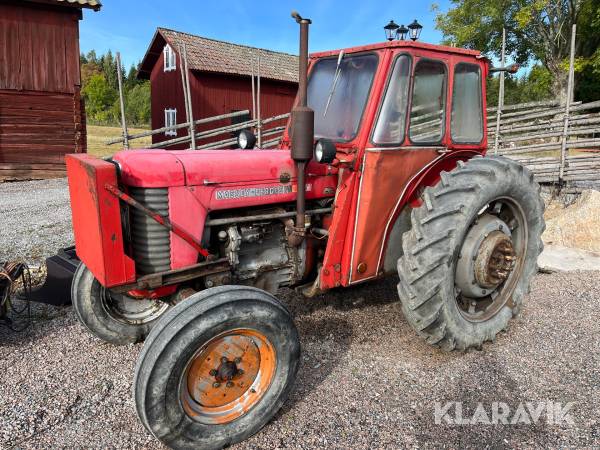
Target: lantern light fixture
x,y
415,30
401,32
390,30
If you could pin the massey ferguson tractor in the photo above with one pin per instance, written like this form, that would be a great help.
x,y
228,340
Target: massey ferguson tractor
x,y
381,171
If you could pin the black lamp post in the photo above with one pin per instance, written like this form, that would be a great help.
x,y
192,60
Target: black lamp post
x,y
401,32
415,30
390,30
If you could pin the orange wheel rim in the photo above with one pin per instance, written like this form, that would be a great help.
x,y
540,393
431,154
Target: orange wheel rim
x,y
228,376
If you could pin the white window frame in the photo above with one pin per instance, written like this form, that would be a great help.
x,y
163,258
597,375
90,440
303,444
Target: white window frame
x,y
169,58
170,121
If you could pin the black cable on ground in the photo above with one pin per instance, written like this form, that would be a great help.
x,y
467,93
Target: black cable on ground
x,y
10,273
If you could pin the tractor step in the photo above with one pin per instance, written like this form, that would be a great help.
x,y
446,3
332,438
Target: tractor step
x,y
56,290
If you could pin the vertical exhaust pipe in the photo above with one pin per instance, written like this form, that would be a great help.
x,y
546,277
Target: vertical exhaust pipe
x,y
303,123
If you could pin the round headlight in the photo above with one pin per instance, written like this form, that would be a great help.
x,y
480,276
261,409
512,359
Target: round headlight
x,y
325,151
246,140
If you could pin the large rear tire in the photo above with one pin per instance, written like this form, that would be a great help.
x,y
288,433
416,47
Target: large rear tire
x,y
216,368
471,253
114,318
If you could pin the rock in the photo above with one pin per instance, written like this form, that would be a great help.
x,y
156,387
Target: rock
x,y
575,226
556,258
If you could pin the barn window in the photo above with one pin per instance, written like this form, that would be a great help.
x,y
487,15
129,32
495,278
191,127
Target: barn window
x,y
170,121
169,58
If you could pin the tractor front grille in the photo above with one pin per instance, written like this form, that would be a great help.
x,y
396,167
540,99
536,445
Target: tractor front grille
x,y
150,240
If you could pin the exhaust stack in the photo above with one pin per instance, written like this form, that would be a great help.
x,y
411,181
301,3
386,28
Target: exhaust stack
x,y
303,123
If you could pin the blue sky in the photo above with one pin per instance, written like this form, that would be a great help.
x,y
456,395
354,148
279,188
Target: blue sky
x,y
128,26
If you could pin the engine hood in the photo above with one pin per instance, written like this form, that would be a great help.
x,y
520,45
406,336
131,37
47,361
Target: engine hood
x,y
167,168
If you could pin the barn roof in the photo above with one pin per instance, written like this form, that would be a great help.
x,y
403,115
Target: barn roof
x,y
211,55
92,4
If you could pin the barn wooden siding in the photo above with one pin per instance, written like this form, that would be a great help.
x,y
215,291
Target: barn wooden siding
x,y
41,112
213,94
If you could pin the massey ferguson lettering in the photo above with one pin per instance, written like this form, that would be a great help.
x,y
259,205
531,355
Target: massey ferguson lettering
x,y
230,194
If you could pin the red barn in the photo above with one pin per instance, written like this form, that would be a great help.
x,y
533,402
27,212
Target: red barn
x,y
41,111
220,79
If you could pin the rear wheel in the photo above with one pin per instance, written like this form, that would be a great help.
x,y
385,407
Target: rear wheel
x,y
216,368
115,318
471,253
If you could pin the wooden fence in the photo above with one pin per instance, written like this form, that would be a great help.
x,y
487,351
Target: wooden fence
x,y
559,147
268,128
560,144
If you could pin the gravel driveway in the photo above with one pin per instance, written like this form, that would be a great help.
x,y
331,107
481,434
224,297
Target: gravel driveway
x,y
35,219
365,380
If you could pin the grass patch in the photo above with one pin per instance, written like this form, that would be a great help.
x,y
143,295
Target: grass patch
x,y
98,135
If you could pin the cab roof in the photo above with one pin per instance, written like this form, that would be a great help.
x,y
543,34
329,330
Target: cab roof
x,y
401,44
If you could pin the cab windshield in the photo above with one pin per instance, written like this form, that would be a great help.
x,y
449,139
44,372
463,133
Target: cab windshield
x,y
339,103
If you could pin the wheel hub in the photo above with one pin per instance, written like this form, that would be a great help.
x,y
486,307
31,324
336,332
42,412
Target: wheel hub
x,y
495,260
131,311
486,257
226,371
228,376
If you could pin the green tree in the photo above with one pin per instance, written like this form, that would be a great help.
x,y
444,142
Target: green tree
x,y
91,57
87,71
99,99
131,80
108,65
537,85
99,86
137,104
537,30
533,86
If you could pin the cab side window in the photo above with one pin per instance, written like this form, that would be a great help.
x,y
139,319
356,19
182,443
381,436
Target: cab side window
x,y
392,117
467,107
428,109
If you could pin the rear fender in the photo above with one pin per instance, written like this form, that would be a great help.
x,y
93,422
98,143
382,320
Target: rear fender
x,y
402,223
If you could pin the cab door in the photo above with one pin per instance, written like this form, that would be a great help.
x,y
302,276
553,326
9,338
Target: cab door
x,y
408,135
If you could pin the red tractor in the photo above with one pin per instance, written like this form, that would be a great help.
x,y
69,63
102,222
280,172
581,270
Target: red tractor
x,y
381,171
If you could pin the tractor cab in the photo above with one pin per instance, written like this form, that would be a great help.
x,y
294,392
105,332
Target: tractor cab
x,y
387,115
398,94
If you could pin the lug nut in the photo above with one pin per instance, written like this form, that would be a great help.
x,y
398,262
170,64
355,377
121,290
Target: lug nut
x,y
240,372
216,384
237,360
223,359
229,384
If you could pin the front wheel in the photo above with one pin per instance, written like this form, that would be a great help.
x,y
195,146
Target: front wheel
x,y
471,253
114,318
216,368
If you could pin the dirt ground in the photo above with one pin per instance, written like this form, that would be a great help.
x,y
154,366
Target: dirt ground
x,y
365,381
